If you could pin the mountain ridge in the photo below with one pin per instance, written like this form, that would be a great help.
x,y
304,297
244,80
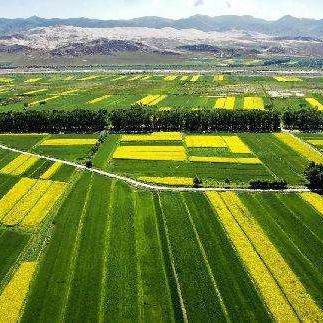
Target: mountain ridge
x,y
285,26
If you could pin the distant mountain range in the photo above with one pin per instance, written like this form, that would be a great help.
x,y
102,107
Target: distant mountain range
x,y
287,26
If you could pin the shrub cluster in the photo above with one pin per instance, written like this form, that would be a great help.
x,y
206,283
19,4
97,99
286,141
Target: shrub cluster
x,y
268,185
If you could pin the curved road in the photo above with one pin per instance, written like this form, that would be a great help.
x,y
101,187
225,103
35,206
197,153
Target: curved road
x,y
143,185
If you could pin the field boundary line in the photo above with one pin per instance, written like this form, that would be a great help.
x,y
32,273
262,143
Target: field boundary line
x,y
105,264
172,262
207,264
260,256
76,247
139,184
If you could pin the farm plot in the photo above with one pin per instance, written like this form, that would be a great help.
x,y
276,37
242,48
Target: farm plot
x,y
170,158
130,254
314,139
66,147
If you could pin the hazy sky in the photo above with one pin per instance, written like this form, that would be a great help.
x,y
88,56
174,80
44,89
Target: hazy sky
x,y
117,9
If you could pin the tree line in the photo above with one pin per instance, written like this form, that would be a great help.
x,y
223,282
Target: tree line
x,y
146,119
53,121
307,120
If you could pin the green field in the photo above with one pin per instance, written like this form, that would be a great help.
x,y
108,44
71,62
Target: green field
x,y
106,226
107,90
110,251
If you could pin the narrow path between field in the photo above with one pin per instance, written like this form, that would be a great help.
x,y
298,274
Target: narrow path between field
x,y
139,184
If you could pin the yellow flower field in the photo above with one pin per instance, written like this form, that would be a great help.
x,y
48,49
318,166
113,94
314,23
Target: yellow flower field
x,y
287,79
147,77
170,78
316,142
226,160
51,170
151,99
315,103
44,100
177,181
5,80
101,98
176,153
184,78
19,165
26,203
204,141
313,199
155,136
225,103
119,78
36,91
90,77
68,142
12,198
134,78
253,102
267,286
236,145
303,304
15,292
33,80
44,205
218,78
195,78
301,147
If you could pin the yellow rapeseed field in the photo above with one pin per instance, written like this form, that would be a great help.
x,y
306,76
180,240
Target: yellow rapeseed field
x,y
69,142
177,181
301,147
195,78
19,165
119,78
315,103
313,199
44,100
170,78
227,160
297,295
33,80
316,142
253,102
267,286
5,80
101,98
134,78
26,203
236,145
204,141
15,292
151,99
90,77
44,204
155,136
36,91
218,78
225,103
176,153
51,170
12,198
287,78
184,78
147,77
